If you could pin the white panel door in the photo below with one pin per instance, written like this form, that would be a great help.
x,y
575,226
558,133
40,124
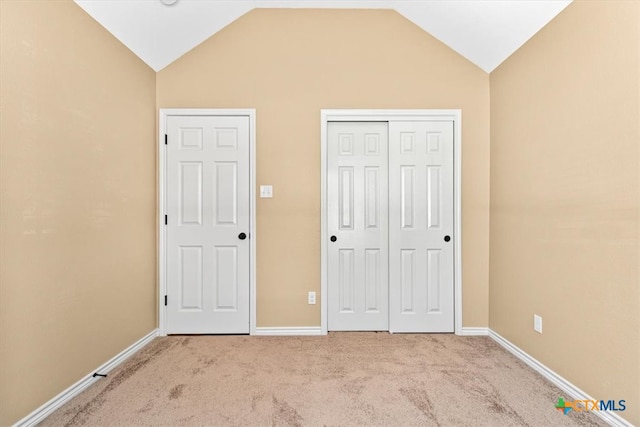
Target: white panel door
x,y
357,220
207,225
421,226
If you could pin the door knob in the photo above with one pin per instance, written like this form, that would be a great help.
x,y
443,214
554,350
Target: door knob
x,y
333,238
447,238
242,236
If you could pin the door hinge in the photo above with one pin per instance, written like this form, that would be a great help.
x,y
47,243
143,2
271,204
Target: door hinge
x,y
165,220
166,138
165,300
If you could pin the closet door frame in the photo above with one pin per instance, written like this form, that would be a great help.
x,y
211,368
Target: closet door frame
x,y
347,115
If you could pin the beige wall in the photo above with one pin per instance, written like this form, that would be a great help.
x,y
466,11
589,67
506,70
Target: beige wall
x,y
565,141
77,170
289,64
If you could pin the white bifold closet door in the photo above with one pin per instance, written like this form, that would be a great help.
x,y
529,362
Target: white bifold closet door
x,y
208,222
390,225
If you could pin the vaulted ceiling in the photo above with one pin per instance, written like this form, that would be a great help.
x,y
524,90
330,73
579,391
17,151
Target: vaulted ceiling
x,y
486,32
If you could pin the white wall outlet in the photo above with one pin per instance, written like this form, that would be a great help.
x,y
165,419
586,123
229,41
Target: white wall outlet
x,y
537,323
311,298
266,191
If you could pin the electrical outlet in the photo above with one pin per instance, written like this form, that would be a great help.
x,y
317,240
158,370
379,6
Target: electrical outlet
x,y
266,191
537,323
311,298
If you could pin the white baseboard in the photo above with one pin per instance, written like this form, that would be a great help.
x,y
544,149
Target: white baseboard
x,y
560,382
473,332
295,330
45,410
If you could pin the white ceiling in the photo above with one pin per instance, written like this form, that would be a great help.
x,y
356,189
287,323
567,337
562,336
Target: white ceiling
x,y
486,32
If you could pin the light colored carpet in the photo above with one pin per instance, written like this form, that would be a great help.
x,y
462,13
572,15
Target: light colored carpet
x,y
346,379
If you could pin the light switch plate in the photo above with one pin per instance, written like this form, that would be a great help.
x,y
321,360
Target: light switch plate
x,y
537,323
266,191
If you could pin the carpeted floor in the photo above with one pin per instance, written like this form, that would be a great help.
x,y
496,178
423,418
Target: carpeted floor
x,y
346,379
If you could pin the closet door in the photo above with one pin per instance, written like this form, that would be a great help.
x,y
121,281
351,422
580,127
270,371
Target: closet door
x,y
357,221
421,297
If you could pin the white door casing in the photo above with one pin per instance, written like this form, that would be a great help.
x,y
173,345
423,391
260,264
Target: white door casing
x,y
357,222
427,303
207,248
420,226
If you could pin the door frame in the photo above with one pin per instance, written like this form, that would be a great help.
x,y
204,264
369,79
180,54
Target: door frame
x,y
346,115
164,113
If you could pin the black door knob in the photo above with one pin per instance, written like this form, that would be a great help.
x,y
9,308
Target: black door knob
x,y
333,238
447,238
242,236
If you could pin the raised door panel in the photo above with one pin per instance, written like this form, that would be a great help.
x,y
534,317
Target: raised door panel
x,y
346,280
226,193
345,193
373,281
226,278
190,197
191,281
407,280
407,197
434,199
